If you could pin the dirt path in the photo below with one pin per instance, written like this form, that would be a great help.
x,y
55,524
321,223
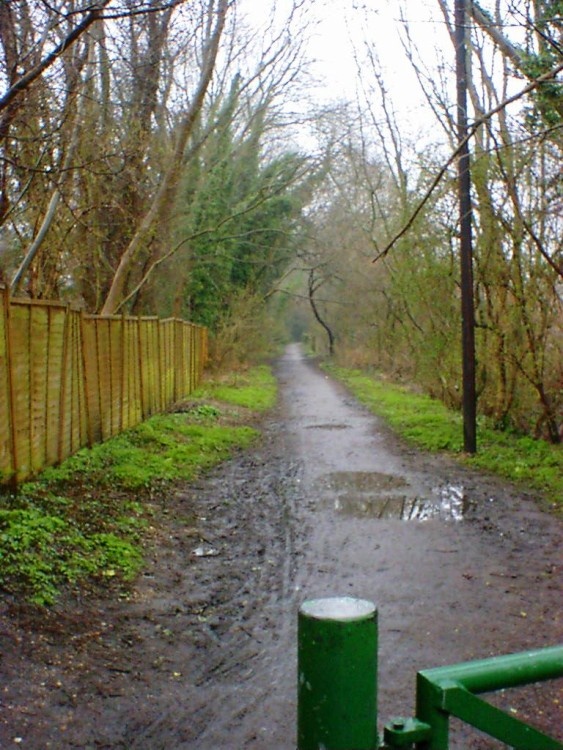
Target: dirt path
x,y
461,566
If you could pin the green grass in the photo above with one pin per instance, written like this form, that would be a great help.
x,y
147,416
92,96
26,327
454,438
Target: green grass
x,y
534,463
253,389
428,424
167,447
86,521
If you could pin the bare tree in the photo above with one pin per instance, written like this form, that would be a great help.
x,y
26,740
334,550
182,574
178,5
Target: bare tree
x,y
216,17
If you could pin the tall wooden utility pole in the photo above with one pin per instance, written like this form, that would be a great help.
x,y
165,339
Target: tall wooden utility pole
x,y
466,248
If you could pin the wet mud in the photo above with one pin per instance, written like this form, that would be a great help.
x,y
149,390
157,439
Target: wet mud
x,y
330,503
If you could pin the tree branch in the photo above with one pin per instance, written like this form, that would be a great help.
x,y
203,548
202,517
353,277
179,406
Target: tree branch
x,y
164,193
27,79
472,130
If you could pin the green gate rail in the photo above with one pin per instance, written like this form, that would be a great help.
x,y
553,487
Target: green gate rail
x,y
333,658
452,691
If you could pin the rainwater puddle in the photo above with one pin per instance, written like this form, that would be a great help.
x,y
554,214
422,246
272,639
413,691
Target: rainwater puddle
x,y
328,426
388,497
362,481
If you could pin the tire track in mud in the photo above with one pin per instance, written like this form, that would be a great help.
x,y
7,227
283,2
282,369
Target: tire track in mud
x,y
472,576
461,565
264,619
244,661
203,656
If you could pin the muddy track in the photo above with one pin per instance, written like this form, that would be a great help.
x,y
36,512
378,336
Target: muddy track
x,y
202,656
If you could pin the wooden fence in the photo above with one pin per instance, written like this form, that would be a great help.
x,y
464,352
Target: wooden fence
x,y
68,379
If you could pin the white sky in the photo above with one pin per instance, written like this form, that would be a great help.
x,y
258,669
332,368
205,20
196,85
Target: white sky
x,y
343,30
342,27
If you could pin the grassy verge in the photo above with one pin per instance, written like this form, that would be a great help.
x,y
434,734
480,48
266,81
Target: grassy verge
x,y
84,522
428,424
252,389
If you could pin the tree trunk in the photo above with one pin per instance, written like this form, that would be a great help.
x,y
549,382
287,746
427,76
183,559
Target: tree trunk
x,y
313,287
170,179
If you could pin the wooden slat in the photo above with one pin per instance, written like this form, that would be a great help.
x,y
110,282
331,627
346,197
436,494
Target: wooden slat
x,y
192,332
136,392
78,421
141,370
55,332
116,366
38,358
90,369
19,336
156,357
123,383
8,450
104,373
65,394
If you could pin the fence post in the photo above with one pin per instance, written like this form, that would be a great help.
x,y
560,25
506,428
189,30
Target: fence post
x,y
337,674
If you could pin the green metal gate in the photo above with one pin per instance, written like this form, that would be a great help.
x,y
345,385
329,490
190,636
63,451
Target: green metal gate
x,y
338,649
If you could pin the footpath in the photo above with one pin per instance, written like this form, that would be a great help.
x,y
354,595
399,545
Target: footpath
x,y
460,565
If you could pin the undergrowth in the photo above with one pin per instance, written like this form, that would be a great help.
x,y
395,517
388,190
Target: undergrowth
x,y
430,425
251,389
85,522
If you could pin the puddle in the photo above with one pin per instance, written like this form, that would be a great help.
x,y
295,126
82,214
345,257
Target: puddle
x,y
453,500
328,426
362,481
379,507
375,495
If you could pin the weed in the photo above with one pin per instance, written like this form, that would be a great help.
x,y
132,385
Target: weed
x,y
204,412
87,519
39,553
252,389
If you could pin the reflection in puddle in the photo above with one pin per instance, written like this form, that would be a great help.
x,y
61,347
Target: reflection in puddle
x,y
453,500
364,481
328,426
374,495
377,507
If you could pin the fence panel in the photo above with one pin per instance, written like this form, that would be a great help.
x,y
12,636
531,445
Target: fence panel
x,y
68,379
38,359
149,370
133,411
89,332
56,326
7,448
167,361
20,367
116,374
79,430
65,409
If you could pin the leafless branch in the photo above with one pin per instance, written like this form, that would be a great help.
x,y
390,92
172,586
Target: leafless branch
x,y
472,130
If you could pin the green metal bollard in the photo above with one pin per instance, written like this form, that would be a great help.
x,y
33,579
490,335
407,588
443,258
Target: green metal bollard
x,y
337,675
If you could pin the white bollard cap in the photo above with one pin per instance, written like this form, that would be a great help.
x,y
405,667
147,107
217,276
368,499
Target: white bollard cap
x,y
340,608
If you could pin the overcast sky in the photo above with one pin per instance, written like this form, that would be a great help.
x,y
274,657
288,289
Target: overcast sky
x,y
341,30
